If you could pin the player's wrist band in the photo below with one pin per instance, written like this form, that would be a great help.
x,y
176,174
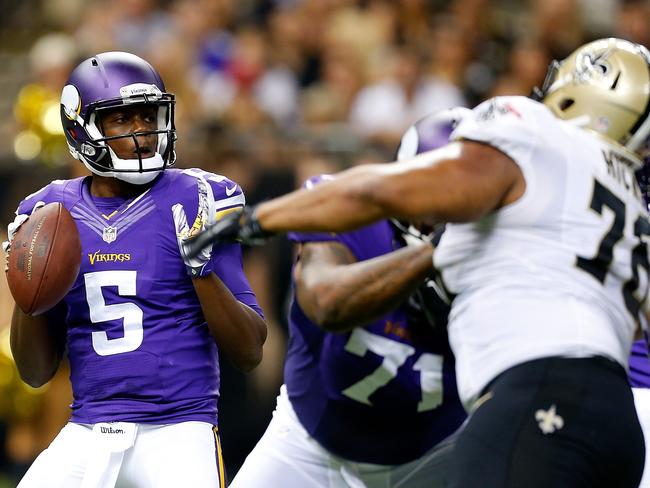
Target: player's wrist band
x,y
199,271
250,229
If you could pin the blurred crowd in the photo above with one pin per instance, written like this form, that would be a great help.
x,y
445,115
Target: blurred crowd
x,y
268,92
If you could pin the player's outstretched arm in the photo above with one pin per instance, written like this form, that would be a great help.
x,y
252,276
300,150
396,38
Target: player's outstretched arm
x,y
338,293
37,347
238,330
460,182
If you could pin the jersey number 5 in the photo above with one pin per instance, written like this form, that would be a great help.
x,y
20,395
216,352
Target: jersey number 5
x,y
598,266
130,313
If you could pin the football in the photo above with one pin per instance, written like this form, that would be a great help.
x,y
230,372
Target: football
x,y
44,259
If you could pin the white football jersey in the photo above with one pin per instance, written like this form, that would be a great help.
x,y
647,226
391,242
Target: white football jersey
x,y
563,271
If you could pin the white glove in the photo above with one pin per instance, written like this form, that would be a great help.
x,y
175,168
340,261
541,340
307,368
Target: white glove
x,y
206,215
411,235
414,237
13,228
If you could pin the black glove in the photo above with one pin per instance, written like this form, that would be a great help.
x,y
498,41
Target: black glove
x,y
240,225
427,306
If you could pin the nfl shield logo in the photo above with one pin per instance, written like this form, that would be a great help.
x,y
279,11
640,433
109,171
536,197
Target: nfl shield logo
x,y
110,234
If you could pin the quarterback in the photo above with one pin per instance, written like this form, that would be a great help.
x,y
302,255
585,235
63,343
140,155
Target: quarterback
x,y
544,256
144,323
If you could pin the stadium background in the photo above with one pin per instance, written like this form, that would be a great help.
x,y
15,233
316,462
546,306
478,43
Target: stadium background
x,y
269,92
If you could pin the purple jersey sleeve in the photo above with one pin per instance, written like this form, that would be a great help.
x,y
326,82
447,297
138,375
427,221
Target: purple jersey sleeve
x,y
313,236
227,257
63,191
228,266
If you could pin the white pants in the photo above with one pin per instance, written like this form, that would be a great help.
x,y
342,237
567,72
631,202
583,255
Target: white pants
x,y
642,404
286,456
152,456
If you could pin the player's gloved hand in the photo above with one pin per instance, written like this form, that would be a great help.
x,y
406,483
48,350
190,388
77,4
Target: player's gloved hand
x,y
198,264
429,305
241,225
412,235
13,227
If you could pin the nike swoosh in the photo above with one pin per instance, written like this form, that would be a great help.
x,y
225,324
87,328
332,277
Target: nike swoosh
x,y
230,191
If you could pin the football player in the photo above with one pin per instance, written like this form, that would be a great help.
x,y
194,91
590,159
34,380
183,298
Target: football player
x,y
370,397
546,260
143,324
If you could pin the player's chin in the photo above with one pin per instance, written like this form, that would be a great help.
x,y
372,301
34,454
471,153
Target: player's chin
x,y
144,154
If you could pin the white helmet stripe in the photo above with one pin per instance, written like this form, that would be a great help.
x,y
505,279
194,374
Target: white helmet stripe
x,y
640,136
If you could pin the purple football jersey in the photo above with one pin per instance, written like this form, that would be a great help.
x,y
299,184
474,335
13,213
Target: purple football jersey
x,y
137,341
385,393
639,365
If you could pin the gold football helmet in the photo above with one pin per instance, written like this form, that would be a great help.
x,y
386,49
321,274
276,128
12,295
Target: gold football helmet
x,y
607,83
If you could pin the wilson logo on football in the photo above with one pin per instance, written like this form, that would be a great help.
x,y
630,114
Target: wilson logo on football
x,y
98,257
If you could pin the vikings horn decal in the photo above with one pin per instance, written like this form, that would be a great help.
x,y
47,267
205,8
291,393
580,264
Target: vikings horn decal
x,y
71,102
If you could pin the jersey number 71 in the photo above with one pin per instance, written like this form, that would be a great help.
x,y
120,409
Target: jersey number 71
x,y
394,355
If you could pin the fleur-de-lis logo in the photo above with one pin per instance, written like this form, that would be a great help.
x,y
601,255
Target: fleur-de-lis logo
x,y
549,421
593,66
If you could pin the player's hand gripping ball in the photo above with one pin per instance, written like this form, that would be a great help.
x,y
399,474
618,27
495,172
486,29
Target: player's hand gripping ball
x,y
44,258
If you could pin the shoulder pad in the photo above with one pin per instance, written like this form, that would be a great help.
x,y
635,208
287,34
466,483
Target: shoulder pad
x,y
510,124
53,192
227,193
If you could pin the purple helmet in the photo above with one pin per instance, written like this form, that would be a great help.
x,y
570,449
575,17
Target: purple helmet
x,y
106,81
429,133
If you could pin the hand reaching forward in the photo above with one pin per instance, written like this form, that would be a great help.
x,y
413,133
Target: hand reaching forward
x,y
241,225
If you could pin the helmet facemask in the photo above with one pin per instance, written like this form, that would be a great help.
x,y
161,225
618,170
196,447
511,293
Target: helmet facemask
x,y
138,170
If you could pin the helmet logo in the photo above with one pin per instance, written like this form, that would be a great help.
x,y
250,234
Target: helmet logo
x,y
71,102
87,150
140,92
602,124
593,66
